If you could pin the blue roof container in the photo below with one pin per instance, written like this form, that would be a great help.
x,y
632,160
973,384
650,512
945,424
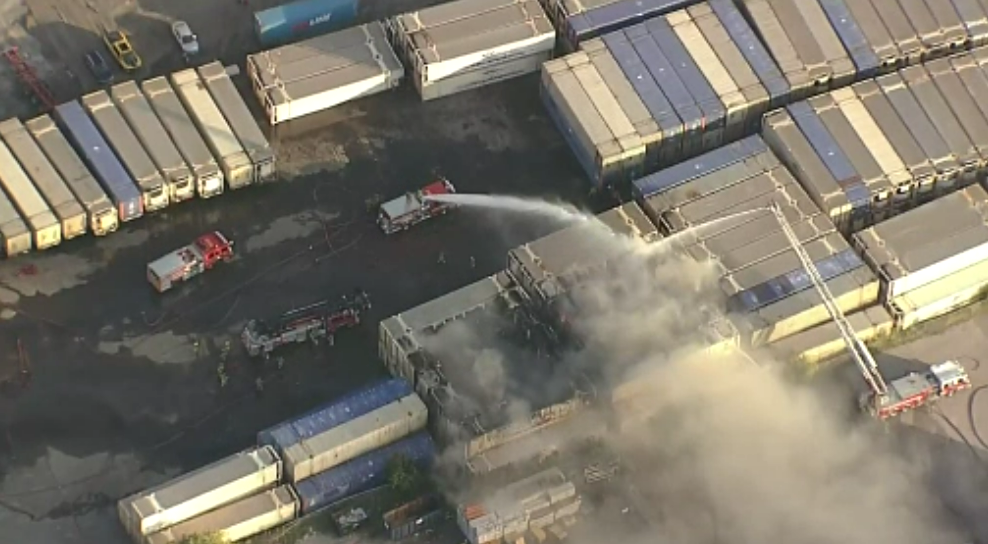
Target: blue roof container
x,y
303,19
600,20
363,473
700,166
334,414
753,50
864,57
780,287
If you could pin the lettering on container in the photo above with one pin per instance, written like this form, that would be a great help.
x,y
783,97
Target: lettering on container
x,y
318,20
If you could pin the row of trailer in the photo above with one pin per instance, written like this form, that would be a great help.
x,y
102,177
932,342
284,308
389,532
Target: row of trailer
x,y
112,157
298,467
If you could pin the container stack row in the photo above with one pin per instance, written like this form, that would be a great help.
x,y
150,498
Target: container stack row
x,y
763,281
112,157
298,79
658,92
881,146
579,21
468,44
299,466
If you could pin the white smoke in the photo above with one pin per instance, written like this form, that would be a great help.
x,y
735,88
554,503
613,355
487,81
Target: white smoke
x,y
720,450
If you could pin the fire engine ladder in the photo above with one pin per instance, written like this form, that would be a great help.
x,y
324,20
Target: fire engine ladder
x,y
859,351
29,77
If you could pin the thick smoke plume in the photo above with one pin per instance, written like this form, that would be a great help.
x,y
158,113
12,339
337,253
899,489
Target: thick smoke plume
x,y
716,448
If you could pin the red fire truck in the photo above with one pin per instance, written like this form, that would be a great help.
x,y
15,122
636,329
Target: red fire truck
x,y
401,213
189,261
307,323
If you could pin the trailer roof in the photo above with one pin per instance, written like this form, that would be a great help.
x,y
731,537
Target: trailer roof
x,y
229,516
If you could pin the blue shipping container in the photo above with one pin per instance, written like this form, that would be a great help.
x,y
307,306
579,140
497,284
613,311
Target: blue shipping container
x,y
778,288
303,19
334,414
753,50
600,20
99,156
832,155
363,473
865,60
700,166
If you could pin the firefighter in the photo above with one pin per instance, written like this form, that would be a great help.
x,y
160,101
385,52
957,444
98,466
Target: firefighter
x,y
221,374
259,385
281,363
195,346
473,262
442,257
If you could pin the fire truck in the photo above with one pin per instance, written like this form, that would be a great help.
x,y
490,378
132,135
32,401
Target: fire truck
x,y
307,323
883,400
401,213
189,261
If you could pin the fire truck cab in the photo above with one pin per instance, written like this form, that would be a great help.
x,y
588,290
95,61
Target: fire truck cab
x,y
401,213
189,261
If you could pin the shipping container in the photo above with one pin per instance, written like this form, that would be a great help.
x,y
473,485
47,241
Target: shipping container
x,y
941,296
753,50
631,105
117,183
488,74
680,98
947,19
930,242
364,473
47,180
293,81
901,30
938,111
963,105
714,112
304,18
888,140
651,95
195,493
850,142
930,34
825,341
241,120
358,436
843,69
974,15
841,199
16,237
334,414
100,210
866,62
237,168
913,115
772,32
702,165
137,111
412,518
734,105
237,521
396,334
45,227
601,19
803,40
758,239
171,113
128,149
975,83
879,40
754,96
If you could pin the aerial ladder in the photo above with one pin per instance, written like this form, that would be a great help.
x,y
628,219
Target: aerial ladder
x,y
907,393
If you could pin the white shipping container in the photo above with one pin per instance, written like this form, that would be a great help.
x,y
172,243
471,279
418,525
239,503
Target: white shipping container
x,y
237,169
194,493
46,179
355,438
317,74
45,227
237,521
482,77
15,234
434,58
941,296
929,242
102,213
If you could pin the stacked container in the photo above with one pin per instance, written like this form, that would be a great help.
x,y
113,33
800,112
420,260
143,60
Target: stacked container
x,y
295,80
656,93
578,21
932,259
467,44
870,151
